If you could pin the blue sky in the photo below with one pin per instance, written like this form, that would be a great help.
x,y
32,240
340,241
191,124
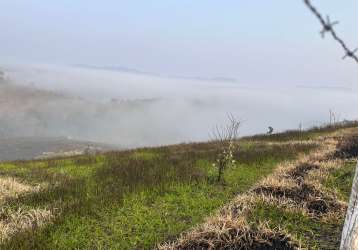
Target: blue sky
x,y
266,42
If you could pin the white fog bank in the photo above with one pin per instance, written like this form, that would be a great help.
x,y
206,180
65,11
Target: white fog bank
x,y
133,110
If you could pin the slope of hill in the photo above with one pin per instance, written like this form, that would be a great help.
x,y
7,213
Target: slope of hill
x,y
302,205
27,148
28,111
140,199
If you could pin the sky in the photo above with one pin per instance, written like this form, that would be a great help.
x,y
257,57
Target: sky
x,y
258,42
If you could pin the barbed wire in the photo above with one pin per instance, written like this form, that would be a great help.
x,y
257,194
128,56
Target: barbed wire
x,y
328,27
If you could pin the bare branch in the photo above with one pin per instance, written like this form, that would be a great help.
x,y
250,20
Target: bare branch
x,y
228,132
226,136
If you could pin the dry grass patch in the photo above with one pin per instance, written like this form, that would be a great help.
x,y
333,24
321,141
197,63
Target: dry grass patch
x,y
347,147
227,233
299,183
298,186
21,220
300,172
305,196
11,188
16,220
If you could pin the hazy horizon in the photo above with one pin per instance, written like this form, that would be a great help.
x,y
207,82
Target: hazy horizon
x,y
134,110
160,72
270,43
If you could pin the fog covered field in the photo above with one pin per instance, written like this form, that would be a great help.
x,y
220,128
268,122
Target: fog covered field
x,y
131,109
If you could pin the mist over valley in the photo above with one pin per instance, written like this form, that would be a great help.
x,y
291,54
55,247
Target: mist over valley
x,y
131,109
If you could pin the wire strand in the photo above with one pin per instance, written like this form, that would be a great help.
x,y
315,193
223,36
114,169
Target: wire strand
x,y
328,28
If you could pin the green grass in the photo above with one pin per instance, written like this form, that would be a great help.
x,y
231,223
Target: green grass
x,y
138,198
313,232
341,180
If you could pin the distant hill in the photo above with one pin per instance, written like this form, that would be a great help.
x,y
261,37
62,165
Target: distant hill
x,y
30,112
140,72
27,148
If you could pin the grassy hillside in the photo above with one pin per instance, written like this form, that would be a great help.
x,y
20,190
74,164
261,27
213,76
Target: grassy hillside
x,y
301,204
141,198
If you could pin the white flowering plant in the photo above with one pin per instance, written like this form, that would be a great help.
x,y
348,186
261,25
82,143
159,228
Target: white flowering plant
x,y
226,136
